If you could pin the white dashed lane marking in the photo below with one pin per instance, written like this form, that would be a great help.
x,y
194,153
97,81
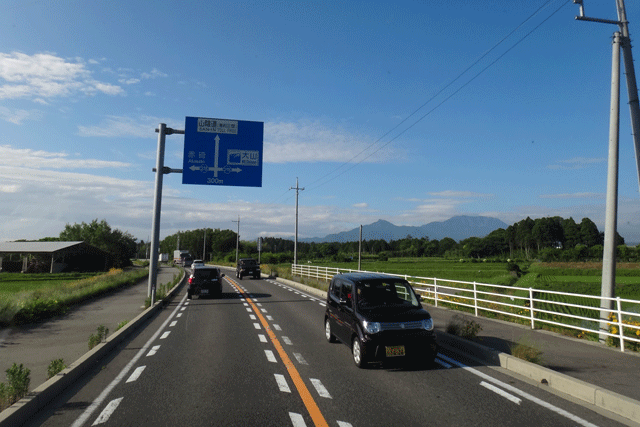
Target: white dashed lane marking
x,y
322,391
136,374
300,359
166,334
262,338
282,383
153,350
107,411
270,356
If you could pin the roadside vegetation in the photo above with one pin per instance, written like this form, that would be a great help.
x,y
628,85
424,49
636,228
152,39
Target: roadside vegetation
x,y
27,298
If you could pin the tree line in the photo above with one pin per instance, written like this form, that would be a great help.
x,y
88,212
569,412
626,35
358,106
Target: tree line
x,y
547,239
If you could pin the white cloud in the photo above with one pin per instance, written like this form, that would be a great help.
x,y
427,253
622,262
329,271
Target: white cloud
x,y
24,157
18,116
119,126
307,141
361,205
45,75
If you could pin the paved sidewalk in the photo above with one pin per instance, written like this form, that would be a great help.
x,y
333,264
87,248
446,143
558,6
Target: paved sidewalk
x,y
67,337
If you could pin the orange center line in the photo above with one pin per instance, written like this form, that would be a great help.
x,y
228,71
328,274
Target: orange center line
x,y
303,391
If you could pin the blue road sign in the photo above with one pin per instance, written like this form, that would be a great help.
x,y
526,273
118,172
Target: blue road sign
x,y
222,152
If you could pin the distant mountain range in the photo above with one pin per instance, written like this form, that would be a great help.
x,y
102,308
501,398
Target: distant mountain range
x,y
458,228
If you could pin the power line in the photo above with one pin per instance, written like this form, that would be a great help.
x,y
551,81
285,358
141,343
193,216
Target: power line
x,y
439,92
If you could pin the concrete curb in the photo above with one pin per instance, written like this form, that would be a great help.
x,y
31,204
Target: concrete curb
x,y
588,393
19,413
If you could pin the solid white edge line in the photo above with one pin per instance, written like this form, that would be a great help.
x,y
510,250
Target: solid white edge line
x,y
501,392
521,393
107,411
98,400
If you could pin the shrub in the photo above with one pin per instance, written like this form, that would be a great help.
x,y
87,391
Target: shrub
x,y
526,350
463,327
55,367
18,379
98,337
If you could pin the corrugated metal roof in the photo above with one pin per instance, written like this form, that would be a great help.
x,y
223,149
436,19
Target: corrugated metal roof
x,y
33,247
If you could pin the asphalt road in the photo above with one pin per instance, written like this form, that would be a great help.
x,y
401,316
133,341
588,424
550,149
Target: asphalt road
x,y
258,357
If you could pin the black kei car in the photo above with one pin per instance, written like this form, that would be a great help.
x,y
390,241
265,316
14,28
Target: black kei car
x,y
205,281
380,317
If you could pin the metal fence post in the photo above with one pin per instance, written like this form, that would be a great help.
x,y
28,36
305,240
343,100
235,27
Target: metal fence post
x,y
475,298
435,292
533,326
620,324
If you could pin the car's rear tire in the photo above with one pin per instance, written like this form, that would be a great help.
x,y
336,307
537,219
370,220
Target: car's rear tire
x,y
359,356
327,331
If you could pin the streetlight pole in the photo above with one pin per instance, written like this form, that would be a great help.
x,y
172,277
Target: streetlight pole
x,y
295,242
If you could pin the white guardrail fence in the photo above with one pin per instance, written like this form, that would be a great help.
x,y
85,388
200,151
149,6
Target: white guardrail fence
x,y
522,305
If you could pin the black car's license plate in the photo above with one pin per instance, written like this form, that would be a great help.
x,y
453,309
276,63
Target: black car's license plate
x,y
395,350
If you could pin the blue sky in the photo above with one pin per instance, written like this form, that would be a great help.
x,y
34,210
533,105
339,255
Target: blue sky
x,y
367,103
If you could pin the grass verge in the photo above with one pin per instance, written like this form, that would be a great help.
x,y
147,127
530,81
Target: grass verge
x,y
53,299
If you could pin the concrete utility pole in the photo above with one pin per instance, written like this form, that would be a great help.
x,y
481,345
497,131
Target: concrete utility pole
x,y
360,250
620,40
204,246
237,238
295,242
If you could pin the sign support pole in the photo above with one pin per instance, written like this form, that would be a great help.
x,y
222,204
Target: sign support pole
x,y
160,170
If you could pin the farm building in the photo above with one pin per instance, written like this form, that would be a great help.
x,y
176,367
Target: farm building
x,y
52,257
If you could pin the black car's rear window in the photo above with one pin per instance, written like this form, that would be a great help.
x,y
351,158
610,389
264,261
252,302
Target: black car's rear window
x,y
206,273
385,292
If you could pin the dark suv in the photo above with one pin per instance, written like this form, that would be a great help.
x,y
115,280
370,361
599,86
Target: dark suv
x,y
205,281
380,317
247,267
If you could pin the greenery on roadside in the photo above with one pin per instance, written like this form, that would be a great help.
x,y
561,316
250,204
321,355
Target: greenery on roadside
x,y
99,337
55,367
162,290
526,350
463,327
17,386
27,298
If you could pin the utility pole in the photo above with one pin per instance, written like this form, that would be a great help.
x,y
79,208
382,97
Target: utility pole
x,y
360,250
295,242
204,246
237,238
622,41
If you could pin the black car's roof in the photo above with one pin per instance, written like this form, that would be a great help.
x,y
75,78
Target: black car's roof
x,y
361,276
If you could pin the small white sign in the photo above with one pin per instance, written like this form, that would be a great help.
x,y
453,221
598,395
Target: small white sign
x,y
218,126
